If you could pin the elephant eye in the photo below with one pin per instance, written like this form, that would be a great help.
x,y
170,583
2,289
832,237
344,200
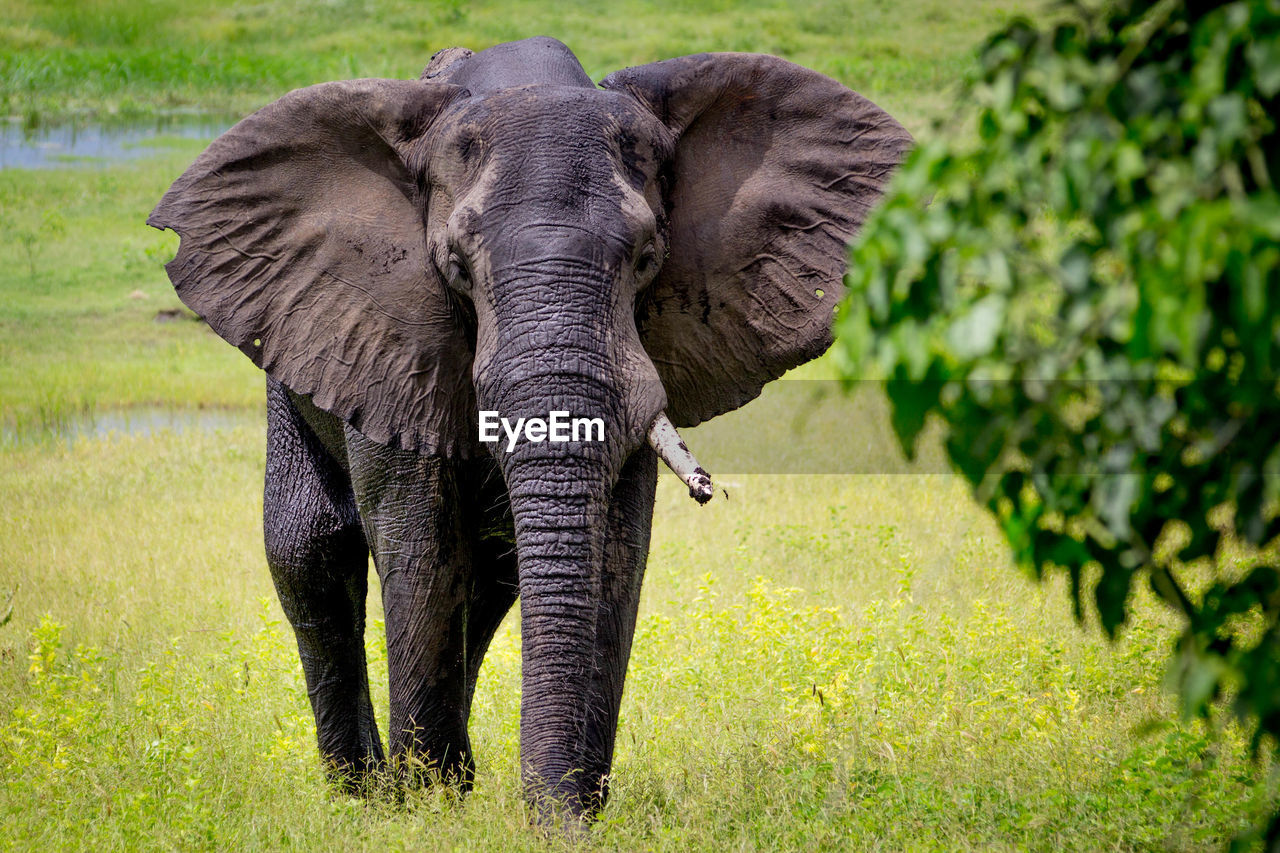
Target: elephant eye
x,y
647,262
459,275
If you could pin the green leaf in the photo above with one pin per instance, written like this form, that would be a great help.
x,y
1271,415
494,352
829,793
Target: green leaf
x,y
1111,595
912,402
1263,55
1100,278
974,334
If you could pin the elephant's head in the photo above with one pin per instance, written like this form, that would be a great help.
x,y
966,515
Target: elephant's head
x,y
504,235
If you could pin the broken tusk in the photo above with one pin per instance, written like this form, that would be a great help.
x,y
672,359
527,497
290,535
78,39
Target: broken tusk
x,y
673,451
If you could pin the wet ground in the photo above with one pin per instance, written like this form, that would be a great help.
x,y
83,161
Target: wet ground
x,y
136,420
80,144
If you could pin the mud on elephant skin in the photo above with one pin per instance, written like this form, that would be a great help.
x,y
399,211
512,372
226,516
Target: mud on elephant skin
x,y
503,235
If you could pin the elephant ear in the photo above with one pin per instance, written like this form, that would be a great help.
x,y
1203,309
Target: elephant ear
x,y
303,244
775,169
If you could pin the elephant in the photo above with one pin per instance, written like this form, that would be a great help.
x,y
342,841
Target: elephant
x,y
410,260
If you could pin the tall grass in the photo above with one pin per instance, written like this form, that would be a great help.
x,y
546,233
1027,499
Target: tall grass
x,y
821,663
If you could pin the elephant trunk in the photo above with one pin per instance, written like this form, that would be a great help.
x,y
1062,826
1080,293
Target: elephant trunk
x,y
560,514
574,647
581,507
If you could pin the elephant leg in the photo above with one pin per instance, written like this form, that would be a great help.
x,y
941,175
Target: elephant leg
x,y
412,515
319,563
494,578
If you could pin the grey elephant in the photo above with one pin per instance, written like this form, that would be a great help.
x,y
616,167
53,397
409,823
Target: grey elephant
x,y
412,260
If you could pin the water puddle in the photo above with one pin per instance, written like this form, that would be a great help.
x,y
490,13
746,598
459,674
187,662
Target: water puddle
x,y
76,145
137,420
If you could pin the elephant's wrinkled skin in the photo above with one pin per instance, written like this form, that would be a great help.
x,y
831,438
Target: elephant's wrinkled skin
x,y
504,235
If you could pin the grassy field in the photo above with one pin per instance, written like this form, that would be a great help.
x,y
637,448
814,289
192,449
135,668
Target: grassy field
x,y
839,663
822,662
139,57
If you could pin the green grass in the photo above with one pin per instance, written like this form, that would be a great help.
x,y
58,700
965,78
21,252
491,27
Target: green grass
x,y
81,282
821,662
139,57
831,662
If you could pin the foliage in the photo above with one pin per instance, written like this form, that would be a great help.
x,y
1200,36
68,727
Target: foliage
x,y
1091,306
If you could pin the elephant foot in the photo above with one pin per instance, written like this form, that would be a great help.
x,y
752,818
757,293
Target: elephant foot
x,y
555,818
351,751
418,770
570,808
366,780
435,757
392,781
